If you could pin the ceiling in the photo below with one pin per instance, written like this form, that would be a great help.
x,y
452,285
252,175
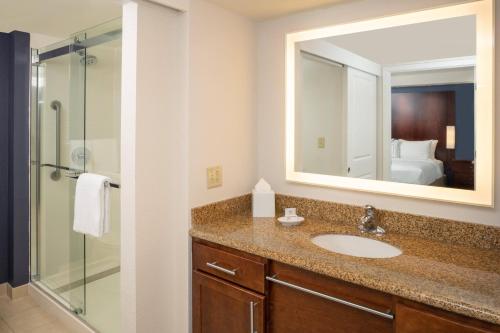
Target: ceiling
x,y
61,18
56,18
447,38
264,9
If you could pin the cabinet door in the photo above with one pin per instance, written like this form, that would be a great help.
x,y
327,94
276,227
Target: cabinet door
x,y
222,307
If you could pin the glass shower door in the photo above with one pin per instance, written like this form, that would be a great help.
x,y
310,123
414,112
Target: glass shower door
x,y
75,128
60,128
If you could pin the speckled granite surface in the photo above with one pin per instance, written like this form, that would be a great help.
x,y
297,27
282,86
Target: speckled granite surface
x,y
448,275
432,228
221,209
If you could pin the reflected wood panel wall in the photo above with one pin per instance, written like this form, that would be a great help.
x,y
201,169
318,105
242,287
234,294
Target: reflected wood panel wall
x,y
424,116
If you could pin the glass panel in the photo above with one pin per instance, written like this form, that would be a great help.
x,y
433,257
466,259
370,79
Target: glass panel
x,y
34,167
107,31
102,139
60,116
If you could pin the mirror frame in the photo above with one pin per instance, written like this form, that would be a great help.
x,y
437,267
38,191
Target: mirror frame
x,y
483,195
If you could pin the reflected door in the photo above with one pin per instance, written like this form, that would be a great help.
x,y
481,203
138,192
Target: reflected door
x,y
361,124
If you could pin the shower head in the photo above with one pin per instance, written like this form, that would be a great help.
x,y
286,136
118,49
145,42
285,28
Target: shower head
x,y
88,60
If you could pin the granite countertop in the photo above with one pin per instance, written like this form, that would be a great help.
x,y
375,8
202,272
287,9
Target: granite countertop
x,y
458,278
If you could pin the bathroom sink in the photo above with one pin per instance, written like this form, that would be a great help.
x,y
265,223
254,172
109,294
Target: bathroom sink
x,y
356,246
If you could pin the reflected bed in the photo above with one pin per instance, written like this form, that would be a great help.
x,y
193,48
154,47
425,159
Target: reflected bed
x,y
422,172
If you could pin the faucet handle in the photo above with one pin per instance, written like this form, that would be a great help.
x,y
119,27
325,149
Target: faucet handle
x,y
369,210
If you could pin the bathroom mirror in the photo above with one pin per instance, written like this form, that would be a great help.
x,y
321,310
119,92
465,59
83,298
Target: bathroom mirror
x,y
401,105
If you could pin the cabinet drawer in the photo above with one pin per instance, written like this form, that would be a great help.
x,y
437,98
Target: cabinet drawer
x,y
417,318
301,301
229,266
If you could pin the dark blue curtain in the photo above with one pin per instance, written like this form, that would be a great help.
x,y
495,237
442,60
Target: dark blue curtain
x,y
4,153
14,157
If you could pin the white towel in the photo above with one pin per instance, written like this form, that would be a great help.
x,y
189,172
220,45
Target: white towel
x,y
92,205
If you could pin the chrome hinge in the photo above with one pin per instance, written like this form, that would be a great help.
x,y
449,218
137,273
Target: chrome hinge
x,y
35,59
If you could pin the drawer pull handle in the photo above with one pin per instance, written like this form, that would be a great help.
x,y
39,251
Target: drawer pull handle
x,y
252,307
387,315
222,269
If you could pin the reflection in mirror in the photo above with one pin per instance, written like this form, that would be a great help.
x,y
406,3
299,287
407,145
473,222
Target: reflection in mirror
x,y
393,104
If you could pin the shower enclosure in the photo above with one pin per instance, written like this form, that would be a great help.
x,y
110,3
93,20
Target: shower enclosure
x,y
75,128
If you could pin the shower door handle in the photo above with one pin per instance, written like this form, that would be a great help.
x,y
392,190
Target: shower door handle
x,y
56,106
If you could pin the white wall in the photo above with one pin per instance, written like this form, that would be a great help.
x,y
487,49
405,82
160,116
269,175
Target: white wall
x,y
154,165
271,110
444,76
39,40
222,120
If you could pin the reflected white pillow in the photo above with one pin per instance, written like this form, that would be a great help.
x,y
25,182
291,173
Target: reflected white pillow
x,y
415,150
434,144
395,148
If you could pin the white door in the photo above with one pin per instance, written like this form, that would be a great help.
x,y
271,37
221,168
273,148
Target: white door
x,y
361,124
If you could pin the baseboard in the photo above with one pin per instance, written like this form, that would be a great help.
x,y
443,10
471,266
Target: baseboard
x,y
17,292
3,289
74,324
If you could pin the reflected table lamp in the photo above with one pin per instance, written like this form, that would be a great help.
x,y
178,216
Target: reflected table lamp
x,y
450,137
450,145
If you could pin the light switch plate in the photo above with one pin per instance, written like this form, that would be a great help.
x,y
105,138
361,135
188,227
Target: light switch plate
x,y
321,142
214,176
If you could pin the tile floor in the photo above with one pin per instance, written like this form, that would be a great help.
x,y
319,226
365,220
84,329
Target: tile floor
x,y
24,315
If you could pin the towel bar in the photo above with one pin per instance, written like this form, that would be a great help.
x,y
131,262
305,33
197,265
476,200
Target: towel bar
x,y
110,184
76,173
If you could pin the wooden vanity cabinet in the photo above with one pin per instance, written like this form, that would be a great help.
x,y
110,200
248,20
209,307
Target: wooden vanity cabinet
x,y
228,290
237,292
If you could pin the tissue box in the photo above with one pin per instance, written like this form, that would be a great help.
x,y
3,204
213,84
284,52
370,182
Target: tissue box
x,y
263,204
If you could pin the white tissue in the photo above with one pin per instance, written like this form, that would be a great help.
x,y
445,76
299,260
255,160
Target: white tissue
x,y
262,186
263,200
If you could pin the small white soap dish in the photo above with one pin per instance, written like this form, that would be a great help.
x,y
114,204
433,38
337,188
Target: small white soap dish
x,y
289,221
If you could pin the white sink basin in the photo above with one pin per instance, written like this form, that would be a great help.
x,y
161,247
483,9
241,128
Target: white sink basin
x,y
356,246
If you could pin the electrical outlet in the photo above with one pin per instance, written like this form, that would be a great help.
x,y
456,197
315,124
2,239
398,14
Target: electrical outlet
x,y
214,176
321,142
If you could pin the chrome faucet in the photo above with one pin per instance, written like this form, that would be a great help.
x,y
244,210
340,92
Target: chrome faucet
x,y
368,223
